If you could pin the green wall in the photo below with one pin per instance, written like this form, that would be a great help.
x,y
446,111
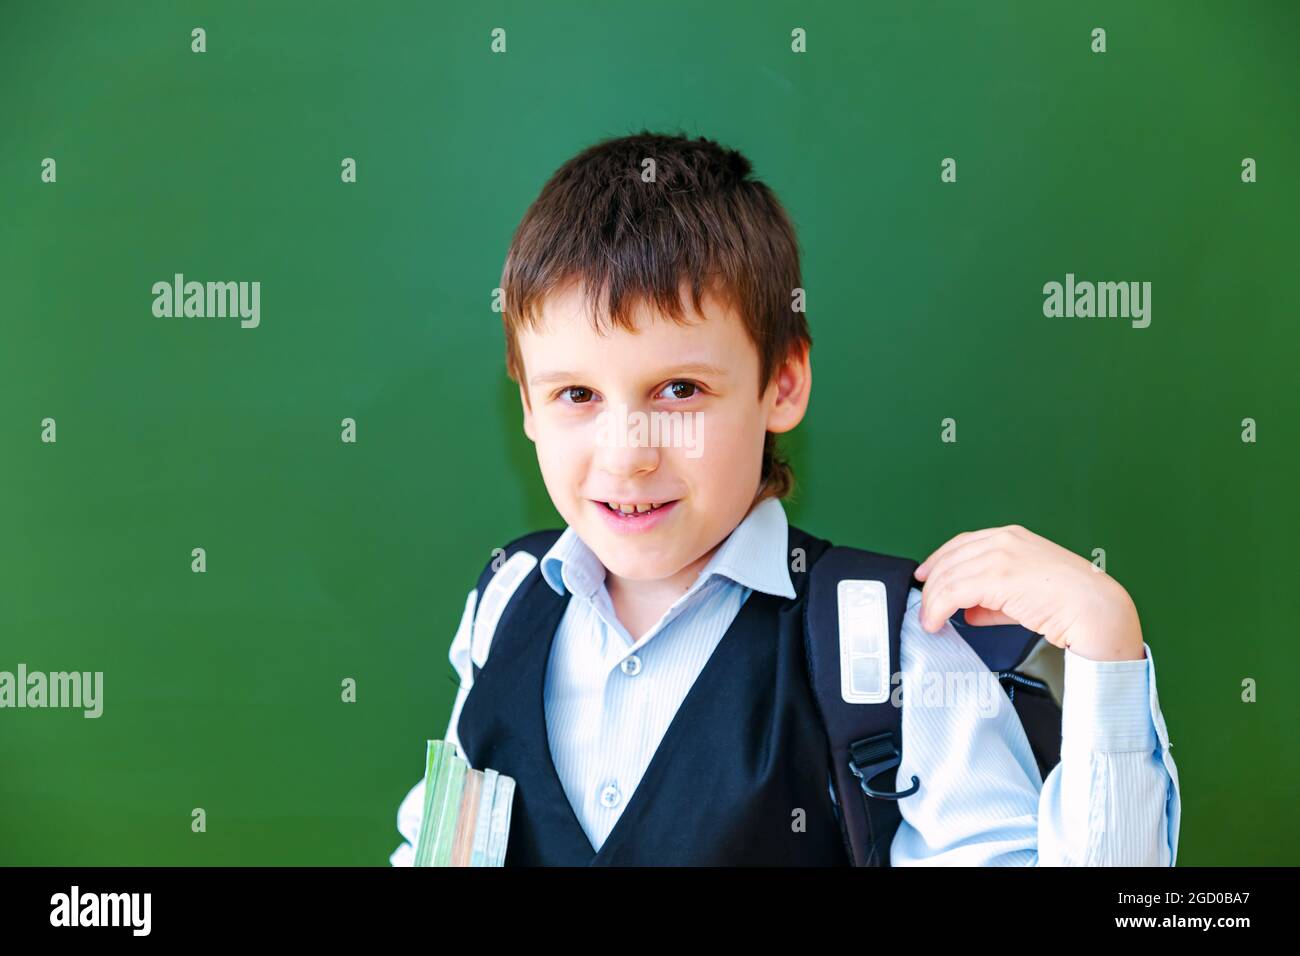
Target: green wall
x,y
328,560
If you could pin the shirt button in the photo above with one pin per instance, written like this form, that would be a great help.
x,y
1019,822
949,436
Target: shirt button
x,y
631,665
610,796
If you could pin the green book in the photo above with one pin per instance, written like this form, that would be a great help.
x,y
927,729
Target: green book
x,y
432,765
460,828
450,812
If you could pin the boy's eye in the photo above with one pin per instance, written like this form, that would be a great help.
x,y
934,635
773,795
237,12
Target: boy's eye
x,y
581,395
677,389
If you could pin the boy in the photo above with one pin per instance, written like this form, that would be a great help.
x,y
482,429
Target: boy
x,y
658,711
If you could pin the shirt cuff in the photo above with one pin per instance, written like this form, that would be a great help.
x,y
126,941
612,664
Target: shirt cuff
x,y
404,855
1108,705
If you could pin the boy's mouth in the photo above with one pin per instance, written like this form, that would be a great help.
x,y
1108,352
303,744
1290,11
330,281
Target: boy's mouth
x,y
625,517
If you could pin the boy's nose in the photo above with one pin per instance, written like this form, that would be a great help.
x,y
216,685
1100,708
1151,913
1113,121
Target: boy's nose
x,y
625,452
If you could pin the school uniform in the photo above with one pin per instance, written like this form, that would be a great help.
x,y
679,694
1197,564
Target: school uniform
x,y
699,743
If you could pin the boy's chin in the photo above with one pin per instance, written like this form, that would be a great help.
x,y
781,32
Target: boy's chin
x,y
633,559
635,570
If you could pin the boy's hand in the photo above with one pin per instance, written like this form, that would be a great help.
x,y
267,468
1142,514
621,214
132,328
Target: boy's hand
x,y
1012,576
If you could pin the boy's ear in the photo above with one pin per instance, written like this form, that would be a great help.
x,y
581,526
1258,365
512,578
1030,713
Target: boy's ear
x,y
793,385
528,415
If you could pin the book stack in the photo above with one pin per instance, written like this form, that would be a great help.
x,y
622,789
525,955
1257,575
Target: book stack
x,y
466,812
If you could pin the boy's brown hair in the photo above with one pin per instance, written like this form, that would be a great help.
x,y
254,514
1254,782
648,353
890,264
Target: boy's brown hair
x,y
702,221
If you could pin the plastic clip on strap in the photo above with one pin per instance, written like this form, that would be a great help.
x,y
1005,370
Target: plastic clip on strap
x,y
871,757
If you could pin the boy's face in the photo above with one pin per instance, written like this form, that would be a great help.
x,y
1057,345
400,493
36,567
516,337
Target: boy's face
x,y
701,466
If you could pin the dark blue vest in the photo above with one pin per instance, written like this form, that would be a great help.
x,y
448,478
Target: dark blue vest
x,y
745,751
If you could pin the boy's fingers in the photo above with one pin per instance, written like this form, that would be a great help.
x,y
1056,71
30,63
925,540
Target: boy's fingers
x,y
984,542
968,584
956,541
979,616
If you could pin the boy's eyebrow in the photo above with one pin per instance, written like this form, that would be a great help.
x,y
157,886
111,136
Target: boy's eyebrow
x,y
690,368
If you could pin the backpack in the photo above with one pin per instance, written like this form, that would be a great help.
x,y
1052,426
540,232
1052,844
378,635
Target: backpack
x,y
856,601
854,607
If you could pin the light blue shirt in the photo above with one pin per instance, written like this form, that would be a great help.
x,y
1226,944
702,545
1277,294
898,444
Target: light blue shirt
x,y
1113,799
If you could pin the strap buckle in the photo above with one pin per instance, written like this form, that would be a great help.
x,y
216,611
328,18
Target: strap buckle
x,y
871,757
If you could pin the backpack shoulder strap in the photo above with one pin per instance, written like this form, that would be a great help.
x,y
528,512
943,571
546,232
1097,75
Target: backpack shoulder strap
x,y
498,584
854,614
853,617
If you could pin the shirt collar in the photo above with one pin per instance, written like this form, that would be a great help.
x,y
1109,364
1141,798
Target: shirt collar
x,y
753,555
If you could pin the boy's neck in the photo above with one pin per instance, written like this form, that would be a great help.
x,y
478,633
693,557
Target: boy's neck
x,y
639,604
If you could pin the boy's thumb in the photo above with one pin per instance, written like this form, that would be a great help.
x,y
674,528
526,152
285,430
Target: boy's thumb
x,y
984,617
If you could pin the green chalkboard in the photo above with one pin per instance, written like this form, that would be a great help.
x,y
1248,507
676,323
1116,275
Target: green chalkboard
x,y
328,560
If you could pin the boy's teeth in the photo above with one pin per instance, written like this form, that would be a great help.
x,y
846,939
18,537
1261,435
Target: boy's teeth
x,y
630,509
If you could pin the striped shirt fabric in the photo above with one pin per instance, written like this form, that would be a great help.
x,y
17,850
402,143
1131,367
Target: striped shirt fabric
x,y
1113,800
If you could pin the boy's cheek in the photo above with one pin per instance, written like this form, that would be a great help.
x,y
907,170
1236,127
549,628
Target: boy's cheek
x,y
565,470
558,441
559,461
733,442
